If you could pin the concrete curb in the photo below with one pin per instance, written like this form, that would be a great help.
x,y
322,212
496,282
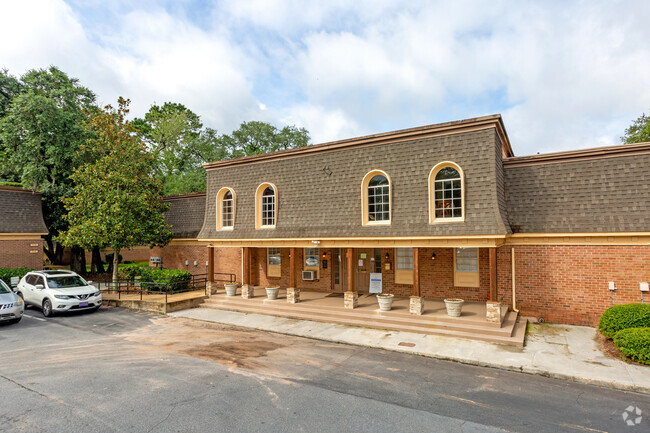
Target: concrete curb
x,y
357,331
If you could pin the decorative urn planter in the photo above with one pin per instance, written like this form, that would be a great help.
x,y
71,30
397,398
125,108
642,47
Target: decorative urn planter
x,y
272,292
454,307
231,289
385,301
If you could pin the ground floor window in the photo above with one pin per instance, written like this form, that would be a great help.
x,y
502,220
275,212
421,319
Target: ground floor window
x,y
310,262
274,262
466,272
404,265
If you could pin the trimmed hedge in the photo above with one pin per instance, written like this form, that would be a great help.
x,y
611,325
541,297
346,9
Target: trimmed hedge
x,y
623,317
178,277
7,273
634,343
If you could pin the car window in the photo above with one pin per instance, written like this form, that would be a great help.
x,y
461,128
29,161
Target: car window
x,y
63,282
39,280
30,279
4,288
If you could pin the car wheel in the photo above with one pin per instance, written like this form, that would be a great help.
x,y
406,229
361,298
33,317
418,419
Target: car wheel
x,y
47,308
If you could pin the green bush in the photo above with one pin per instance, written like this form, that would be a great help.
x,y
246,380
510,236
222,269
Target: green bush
x,y
7,273
179,278
623,317
634,343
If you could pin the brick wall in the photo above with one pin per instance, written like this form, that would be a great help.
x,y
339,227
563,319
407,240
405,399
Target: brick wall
x,y
322,284
18,254
173,256
569,284
437,276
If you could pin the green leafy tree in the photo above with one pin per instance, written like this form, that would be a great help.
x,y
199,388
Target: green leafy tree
x,y
253,138
117,199
41,129
638,131
170,131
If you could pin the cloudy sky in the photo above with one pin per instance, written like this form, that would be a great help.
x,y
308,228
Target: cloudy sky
x,y
563,74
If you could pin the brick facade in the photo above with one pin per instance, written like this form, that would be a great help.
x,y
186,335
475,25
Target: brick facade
x,y
21,254
569,283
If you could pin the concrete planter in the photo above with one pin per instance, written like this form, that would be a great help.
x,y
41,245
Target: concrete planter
x,y
385,301
454,307
272,293
231,289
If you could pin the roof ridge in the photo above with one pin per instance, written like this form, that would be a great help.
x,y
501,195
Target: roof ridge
x,y
579,154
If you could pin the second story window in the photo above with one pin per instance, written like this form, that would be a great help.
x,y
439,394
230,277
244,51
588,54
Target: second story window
x,y
446,200
266,206
227,219
225,209
376,198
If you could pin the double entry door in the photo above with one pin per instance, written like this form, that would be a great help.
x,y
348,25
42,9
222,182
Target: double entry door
x,y
364,262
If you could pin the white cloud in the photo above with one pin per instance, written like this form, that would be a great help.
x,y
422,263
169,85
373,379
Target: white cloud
x,y
564,75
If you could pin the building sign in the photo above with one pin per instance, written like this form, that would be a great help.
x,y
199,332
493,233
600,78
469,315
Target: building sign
x,y
375,282
33,245
33,251
362,255
324,264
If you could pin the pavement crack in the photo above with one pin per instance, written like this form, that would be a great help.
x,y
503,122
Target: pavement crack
x,y
163,420
32,390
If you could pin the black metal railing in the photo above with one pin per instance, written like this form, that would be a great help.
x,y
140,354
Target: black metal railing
x,y
197,282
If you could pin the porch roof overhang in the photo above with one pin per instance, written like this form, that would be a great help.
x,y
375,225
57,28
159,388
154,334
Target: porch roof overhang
x,y
365,242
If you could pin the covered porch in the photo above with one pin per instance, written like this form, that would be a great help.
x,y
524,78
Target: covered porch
x,y
335,284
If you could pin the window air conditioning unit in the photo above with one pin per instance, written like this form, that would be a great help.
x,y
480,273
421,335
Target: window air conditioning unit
x,y
308,275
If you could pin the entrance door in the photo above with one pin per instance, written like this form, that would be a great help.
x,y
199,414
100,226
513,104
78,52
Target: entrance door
x,y
364,262
339,270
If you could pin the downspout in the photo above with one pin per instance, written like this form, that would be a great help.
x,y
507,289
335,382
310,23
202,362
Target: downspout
x,y
514,302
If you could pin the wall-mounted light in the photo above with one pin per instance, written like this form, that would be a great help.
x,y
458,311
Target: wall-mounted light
x,y
187,262
387,256
196,263
433,256
324,254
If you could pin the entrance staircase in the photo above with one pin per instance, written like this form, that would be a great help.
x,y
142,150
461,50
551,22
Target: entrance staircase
x,y
471,325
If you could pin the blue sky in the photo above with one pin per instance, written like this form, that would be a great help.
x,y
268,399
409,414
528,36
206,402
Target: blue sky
x,y
563,74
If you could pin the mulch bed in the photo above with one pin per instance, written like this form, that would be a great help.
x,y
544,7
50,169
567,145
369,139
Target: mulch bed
x,y
610,350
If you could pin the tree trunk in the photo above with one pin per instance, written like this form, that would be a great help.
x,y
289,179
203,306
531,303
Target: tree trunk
x,y
96,264
116,258
78,260
58,254
49,249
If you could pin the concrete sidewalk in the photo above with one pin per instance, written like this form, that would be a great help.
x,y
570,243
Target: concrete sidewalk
x,y
559,351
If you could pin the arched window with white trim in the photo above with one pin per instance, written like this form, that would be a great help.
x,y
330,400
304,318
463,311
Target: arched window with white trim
x,y
225,209
266,202
446,193
376,198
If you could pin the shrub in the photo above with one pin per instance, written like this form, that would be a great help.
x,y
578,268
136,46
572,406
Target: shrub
x,y
7,273
178,278
634,343
623,317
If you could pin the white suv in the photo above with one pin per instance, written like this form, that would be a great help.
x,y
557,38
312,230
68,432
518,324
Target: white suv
x,y
58,291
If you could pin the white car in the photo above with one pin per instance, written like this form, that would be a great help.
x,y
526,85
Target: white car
x,y
11,305
58,291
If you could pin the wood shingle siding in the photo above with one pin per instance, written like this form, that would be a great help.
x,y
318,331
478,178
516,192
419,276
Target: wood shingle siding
x,y
20,211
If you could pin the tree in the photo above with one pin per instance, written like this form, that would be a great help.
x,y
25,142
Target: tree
x,y
639,131
117,199
255,137
40,132
170,131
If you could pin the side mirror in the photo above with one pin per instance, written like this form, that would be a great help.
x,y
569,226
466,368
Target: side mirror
x,y
89,283
39,286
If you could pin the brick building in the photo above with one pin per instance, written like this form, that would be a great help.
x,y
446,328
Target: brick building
x,y
433,212
21,228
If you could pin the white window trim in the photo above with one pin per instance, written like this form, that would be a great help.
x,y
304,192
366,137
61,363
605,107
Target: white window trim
x,y
219,204
364,199
432,203
258,206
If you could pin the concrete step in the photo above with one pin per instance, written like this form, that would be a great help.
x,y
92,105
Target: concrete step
x,y
505,335
280,307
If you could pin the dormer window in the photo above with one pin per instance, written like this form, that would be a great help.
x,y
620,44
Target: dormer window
x,y
225,209
446,193
266,206
376,198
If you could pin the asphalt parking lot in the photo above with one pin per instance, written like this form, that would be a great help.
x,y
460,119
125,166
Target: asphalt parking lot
x,y
121,371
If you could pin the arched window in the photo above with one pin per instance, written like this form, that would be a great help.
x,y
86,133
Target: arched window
x,y
266,206
376,198
225,209
446,193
